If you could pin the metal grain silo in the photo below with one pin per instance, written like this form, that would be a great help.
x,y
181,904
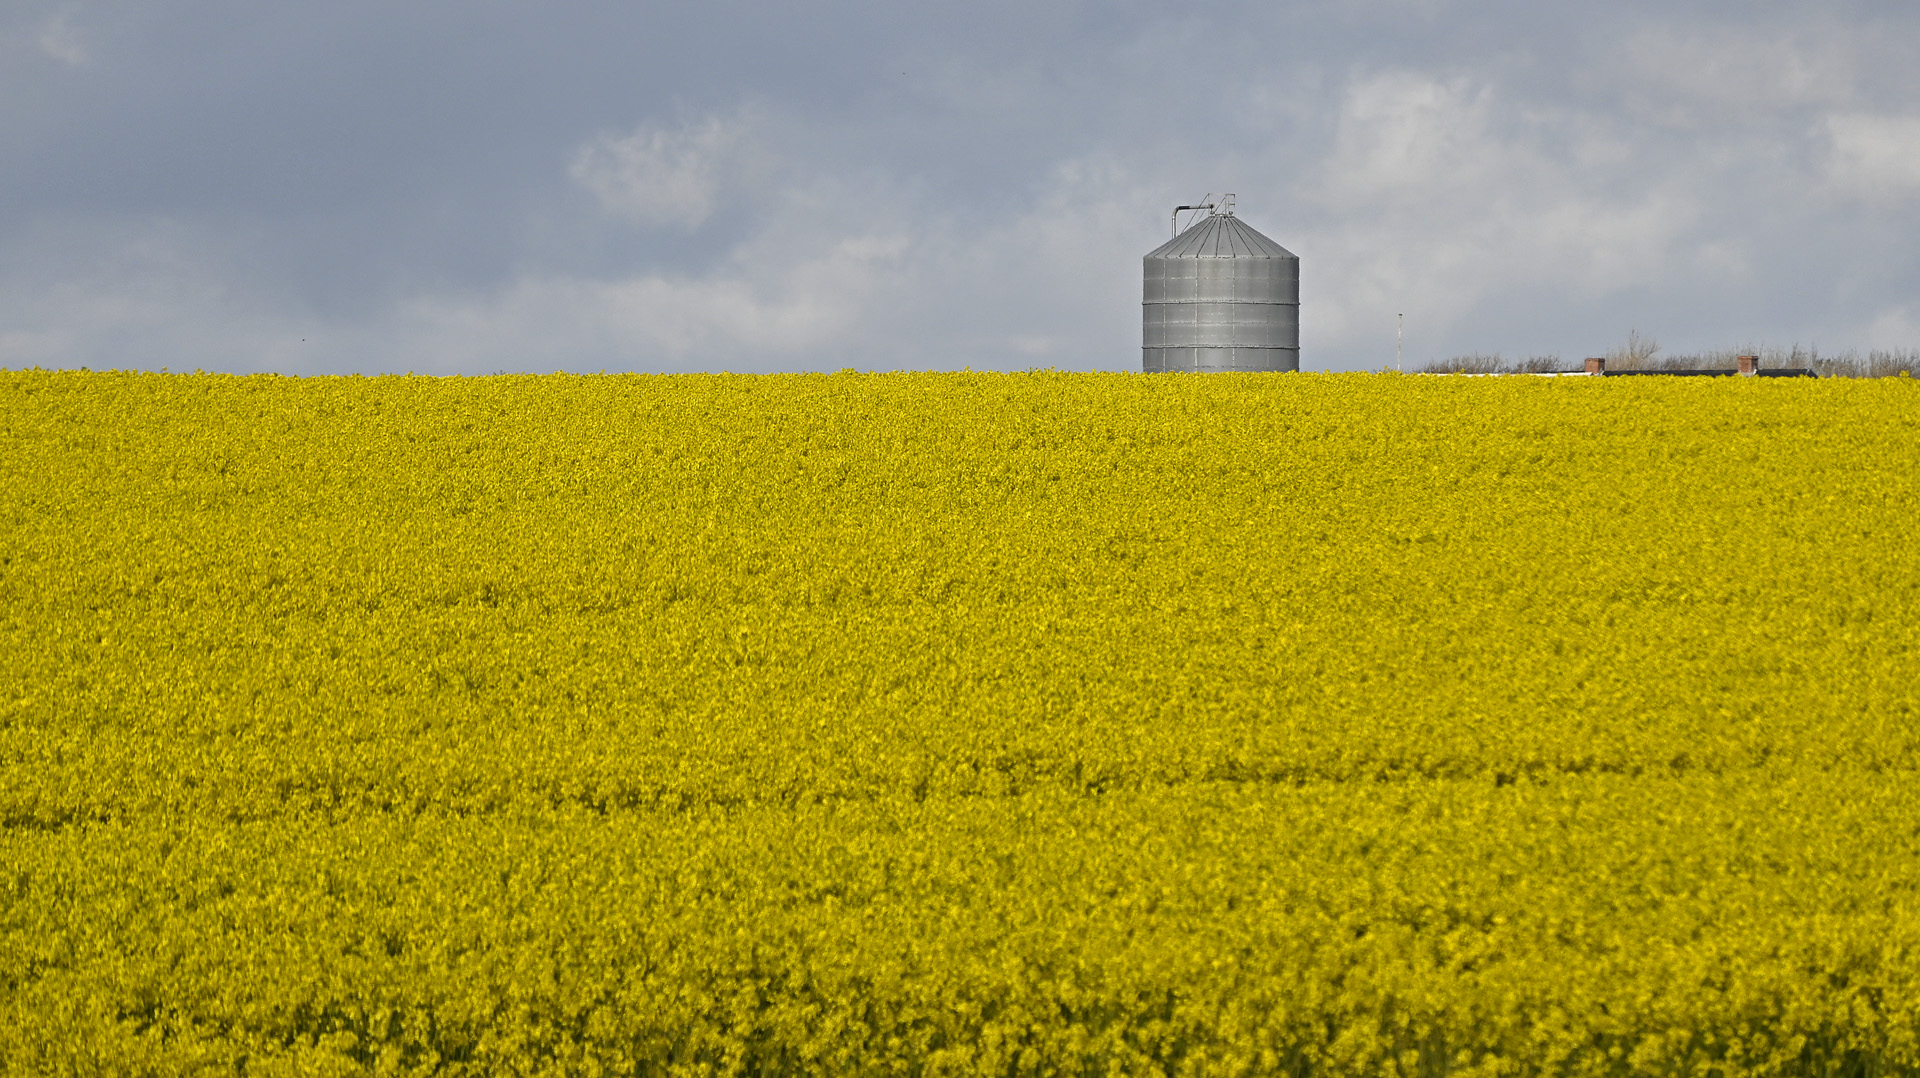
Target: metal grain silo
x,y
1221,297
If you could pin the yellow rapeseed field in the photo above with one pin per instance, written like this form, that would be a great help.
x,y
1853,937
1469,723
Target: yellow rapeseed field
x,y
959,724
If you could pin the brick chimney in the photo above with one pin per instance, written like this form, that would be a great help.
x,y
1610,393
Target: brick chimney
x,y
1749,364
1596,365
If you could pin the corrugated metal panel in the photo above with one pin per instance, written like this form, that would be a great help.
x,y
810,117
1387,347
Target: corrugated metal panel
x,y
1220,296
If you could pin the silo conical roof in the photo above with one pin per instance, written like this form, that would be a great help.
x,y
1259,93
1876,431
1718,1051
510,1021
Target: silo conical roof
x,y
1220,236
1220,297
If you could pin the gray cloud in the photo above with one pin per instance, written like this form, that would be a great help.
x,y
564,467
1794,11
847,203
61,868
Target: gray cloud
x,y
469,187
668,174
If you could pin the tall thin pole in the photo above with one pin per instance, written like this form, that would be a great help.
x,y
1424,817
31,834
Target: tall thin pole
x,y
1399,338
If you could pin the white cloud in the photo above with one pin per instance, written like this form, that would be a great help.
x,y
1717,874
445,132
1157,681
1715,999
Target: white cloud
x,y
59,38
883,281
1440,201
735,318
1405,135
1697,75
667,175
48,29
166,313
1874,156
1542,191
1895,328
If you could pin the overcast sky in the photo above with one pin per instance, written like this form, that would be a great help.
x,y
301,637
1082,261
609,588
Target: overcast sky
x,y
743,185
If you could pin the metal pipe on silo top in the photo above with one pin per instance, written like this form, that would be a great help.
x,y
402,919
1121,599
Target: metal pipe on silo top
x,y
1220,297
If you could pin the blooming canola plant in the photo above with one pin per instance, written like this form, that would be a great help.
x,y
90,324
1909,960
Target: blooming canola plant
x,y
959,724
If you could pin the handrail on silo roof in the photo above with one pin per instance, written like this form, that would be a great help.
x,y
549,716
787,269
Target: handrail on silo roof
x,y
1178,210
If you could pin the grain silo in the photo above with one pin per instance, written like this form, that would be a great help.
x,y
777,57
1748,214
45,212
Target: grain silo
x,y
1220,297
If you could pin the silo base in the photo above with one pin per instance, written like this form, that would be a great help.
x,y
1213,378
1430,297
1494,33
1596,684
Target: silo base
x,y
1155,360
